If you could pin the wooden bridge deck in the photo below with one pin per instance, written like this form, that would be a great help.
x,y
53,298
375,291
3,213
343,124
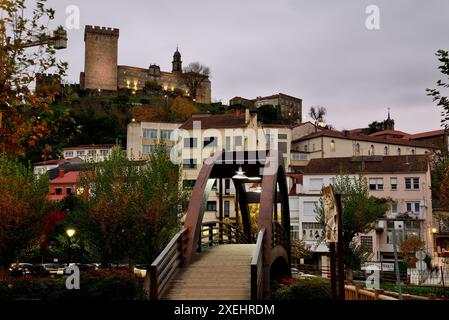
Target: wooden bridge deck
x,y
217,273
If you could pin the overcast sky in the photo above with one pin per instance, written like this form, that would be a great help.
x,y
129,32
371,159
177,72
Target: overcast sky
x,y
319,51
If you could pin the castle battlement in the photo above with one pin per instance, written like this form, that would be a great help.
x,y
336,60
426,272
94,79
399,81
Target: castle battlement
x,y
102,31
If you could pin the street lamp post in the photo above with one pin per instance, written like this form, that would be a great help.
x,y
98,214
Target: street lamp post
x,y
70,233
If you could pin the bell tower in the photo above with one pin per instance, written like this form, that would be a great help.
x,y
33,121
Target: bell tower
x,y
177,62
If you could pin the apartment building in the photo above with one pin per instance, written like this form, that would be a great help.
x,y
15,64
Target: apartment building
x,y
405,180
90,153
143,137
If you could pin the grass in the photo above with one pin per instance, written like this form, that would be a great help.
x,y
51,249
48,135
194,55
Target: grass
x,y
418,291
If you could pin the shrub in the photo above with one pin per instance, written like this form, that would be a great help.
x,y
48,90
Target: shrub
x,y
94,285
303,289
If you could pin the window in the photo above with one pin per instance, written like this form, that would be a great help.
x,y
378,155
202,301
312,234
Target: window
x,y
190,143
294,232
394,184
227,208
227,186
282,136
211,206
332,146
412,228
239,141
69,191
210,142
228,144
316,184
305,148
394,208
69,154
411,183
311,231
92,153
309,208
215,185
413,207
299,156
357,149
150,134
165,134
367,242
58,191
80,153
386,151
313,147
413,151
371,150
376,184
399,151
283,147
189,163
148,149
104,153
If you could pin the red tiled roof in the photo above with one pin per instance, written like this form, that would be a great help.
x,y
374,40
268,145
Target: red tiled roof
x,y
91,147
209,121
426,134
389,132
374,164
341,135
49,162
69,177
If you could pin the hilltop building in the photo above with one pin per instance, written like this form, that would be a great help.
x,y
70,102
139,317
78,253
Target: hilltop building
x,y
102,72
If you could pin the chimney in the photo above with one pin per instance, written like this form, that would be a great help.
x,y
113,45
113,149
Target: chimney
x,y
247,115
238,111
61,173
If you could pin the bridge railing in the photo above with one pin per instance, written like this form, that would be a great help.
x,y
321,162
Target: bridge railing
x,y
257,268
278,238
217,232
165,265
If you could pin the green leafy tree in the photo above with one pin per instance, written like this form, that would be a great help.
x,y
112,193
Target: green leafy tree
x,y
268,114
24,210
360,213
439,94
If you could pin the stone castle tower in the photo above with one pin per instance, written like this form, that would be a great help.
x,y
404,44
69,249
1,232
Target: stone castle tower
x,y
101,59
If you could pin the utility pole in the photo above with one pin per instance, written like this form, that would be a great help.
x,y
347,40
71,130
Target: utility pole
x,y
341,265
396,264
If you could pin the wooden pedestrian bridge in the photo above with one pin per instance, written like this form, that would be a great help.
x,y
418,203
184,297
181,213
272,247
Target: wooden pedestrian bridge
x,y
216,260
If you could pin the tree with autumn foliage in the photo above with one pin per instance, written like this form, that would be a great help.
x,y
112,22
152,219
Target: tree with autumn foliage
x,y
128,211
27,49
182,109
24,210
409,247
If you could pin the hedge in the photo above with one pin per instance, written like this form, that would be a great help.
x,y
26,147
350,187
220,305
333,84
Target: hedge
x,y
94,285
303,289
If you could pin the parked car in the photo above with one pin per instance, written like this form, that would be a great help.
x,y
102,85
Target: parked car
x,y
27,269
54,268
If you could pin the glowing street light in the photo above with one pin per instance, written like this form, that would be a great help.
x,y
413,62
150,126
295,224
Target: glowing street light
x,y
70,232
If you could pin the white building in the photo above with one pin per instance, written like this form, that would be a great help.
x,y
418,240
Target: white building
x,y
405,180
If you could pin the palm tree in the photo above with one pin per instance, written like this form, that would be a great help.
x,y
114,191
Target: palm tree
x,y
317,113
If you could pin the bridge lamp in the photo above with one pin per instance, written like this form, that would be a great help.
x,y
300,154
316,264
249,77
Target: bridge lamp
x,y
255,179
240,175
434,230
